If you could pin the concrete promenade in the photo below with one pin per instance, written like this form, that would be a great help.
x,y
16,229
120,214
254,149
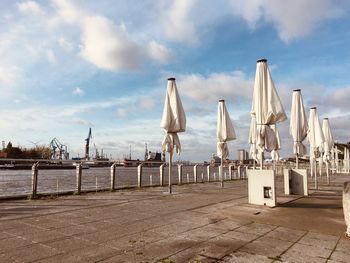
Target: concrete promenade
x,y
198,223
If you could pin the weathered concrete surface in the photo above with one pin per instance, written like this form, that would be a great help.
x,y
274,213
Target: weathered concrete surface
x,y
200,222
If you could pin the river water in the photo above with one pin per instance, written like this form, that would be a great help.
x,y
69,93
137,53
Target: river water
x,y
18,182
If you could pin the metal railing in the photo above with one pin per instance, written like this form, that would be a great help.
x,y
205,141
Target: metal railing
x,y
40,181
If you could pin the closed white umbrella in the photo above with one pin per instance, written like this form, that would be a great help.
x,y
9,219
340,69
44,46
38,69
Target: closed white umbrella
x,y
173,121
336,158
252,139
298,125
328,144
224,133
267,107
316,140
274,153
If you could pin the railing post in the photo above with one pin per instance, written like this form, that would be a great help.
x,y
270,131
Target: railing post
x,y
230,170
179,172
113,176
139,175
34,180
78,172
195,175
161,174
208,172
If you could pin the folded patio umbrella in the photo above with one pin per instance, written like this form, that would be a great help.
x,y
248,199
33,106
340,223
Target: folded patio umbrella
x,y
267,108
173,121
298,125
316,140
252,139
274,153
328,144
224,133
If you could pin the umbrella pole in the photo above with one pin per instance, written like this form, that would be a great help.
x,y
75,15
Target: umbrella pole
x,y
261,160
220,172
327,170
314,164
296,161
170,166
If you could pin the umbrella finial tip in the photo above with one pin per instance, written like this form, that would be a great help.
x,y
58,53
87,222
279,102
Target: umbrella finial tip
x,y
313,108
261,60
325,118
297,90
172,78
221,100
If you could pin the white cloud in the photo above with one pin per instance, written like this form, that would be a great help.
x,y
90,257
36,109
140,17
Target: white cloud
x,y
122,112
104,43
291,18
51,57
108,46
146,103
30,7
177,22
78,91
9,75
233,86
159,52
65,44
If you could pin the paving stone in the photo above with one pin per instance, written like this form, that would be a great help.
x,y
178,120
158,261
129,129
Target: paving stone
x,y
200,222
305,253
340,256
59,258
315,235
244,257
217,249
43,236
33,252
13,243
69,244
4,235
98,236
267,246
343,245
138,240
188,255
286,234
93,254
228,224
6,258
23,230
76,230
203,233
323,243
165,248
242,236
256,228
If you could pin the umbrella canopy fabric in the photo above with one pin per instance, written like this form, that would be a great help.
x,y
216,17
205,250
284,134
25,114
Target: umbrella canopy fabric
x,y
298,123
224,131
315,134
253,138
274,153
174,118
267,107
328,139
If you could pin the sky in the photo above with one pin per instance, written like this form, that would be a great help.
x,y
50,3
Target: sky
x,y
67,65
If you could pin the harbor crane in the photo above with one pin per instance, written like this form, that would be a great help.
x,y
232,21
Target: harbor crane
x,y
58,150
87,145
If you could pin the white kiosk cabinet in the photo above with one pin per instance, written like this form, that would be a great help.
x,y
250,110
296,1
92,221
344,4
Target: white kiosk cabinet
x,y
261,187
295,182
